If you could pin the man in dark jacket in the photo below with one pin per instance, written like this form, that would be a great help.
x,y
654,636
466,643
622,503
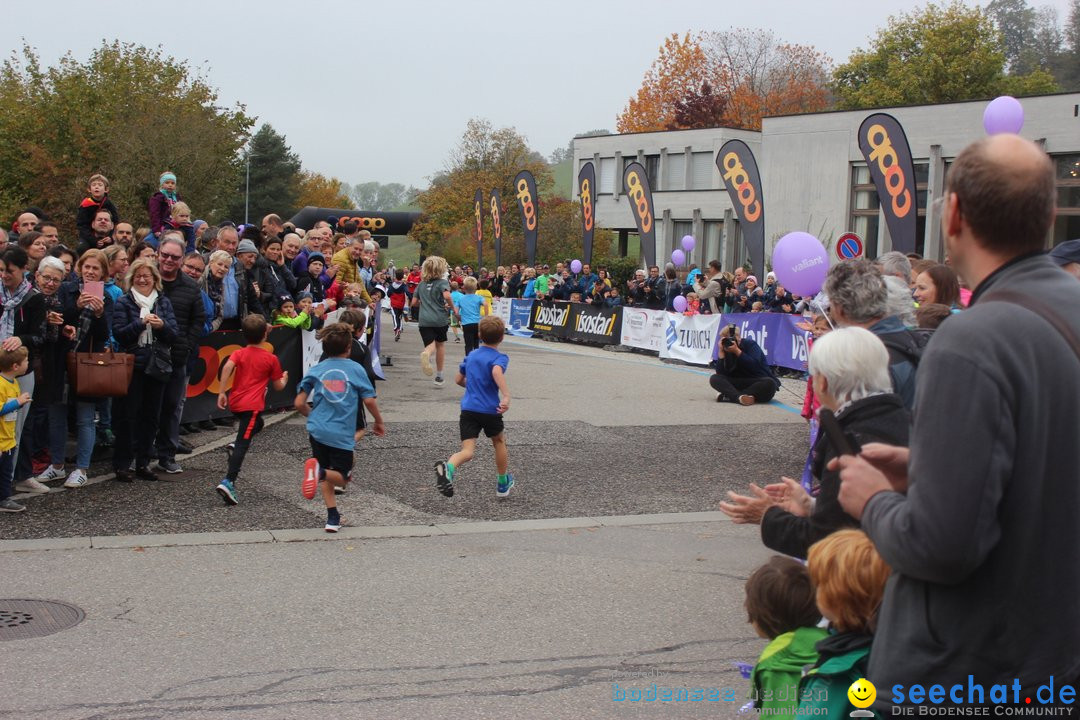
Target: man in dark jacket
x,y
742,372
190,315
978,521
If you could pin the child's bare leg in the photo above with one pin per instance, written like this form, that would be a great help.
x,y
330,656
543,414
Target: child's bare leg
x,y
464,455
502,456
332,478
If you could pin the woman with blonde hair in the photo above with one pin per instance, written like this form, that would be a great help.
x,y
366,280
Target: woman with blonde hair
x,y
432,297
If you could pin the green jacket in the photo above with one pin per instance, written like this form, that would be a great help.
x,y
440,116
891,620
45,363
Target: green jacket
x,y
843,661
301,321
775,679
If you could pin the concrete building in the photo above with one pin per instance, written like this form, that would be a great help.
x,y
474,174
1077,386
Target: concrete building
x,y
814,177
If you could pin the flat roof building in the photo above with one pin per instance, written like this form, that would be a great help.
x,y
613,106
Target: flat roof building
x,y
814,177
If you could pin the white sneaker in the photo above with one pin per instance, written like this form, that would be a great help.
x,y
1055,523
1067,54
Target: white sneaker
x,y
439,382
31,485
425,364
76,479
51,473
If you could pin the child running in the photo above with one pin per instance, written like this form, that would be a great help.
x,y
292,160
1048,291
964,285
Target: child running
x,y
330,397
254,367
483,375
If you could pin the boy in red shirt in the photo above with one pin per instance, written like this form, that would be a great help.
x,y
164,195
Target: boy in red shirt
x,y
254,367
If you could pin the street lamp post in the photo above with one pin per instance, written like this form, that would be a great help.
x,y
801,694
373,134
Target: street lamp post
x,y
247,185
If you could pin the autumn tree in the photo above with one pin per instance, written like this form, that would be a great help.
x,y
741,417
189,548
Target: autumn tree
x,y
679,71
317,190
702,109
128,112
485,158
933,55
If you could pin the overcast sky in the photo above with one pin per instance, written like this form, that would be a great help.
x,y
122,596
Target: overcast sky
x,y
382,90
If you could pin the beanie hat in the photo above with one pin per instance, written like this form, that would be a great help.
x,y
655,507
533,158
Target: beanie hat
x,y
246,246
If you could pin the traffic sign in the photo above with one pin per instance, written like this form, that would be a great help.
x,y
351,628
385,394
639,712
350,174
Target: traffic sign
x,y
849,246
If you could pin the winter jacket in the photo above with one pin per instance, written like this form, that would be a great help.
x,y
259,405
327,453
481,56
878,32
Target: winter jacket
x,y
160,209
269,292
84,219
30,323
301,321
190,314
842,659
713,290
751,363
128,326
188,231
775,679
878,418
284,277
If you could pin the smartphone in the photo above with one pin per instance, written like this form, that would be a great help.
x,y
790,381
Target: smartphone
x,y
95,288
842,443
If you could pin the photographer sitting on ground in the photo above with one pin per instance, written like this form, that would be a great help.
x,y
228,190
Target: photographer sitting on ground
x,y
742,373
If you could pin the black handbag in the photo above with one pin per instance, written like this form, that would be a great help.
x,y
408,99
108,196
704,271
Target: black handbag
x,y
160,365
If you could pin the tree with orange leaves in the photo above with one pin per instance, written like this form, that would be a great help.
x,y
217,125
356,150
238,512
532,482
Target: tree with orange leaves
x,y
680,71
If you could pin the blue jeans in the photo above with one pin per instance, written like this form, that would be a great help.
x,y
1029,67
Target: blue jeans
x,y
58,426
104,408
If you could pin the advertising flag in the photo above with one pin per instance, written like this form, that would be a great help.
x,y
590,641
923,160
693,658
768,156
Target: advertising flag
x,y
639,191
525,189
586,191
743,182
496,222
478,211
888,155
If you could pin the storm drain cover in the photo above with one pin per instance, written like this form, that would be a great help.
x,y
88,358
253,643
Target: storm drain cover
x,y
24,619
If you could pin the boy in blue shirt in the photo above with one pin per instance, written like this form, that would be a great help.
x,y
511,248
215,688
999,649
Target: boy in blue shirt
x,y
469,307
330,397
483,375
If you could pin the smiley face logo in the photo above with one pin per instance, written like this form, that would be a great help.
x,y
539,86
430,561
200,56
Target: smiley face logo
x,y
862,693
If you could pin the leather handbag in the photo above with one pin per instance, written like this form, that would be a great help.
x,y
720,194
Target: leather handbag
x,y
98,375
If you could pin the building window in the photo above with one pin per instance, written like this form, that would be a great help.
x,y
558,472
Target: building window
x,y
866,208
676,172
1067,223
652,169
701,170
606,179
708,248
679,228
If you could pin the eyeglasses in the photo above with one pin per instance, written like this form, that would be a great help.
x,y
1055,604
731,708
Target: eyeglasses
x,y
169,256
49,280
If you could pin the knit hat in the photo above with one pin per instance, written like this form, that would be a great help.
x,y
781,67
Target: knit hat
x,y
303,295
312,257
246,246
751,277
198,224
165,177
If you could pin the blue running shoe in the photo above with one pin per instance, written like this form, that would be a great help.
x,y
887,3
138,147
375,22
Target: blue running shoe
x,y
502,489
227,492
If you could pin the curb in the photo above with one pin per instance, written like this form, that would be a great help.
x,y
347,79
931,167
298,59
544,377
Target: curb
x,y
125,542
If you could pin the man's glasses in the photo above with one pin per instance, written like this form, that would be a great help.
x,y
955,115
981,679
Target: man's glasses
x,y
169,256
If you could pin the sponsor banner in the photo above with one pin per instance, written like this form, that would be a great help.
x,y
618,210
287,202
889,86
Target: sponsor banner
x,y
586,191
778,335
642,328
636,182
552,319
743,182
215,349
478,212
515,314
691,339
527,199
888,155
496,224
602,326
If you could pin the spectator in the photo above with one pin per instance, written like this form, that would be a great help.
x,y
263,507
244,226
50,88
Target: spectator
x,y
117,258
929,316
279,269
33,244
528,289
858,297
347,262
669,289
27,221
213,284
240,294
50,232
143,316
742,372
101,232
514,282
1067,257
179,220
895,264
781,301
850,376
272,227
713,291
918,267
189,314
977,521
142,250
161,202
123,234
938,284
67,257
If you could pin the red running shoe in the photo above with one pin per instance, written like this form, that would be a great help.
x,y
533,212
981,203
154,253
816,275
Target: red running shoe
x,y
311,478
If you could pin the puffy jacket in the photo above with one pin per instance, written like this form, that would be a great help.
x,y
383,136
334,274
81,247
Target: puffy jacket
x,y
842,661
190,313
128,326
775,678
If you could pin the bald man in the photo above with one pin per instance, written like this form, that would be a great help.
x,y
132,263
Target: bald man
x,y
26,222
978,521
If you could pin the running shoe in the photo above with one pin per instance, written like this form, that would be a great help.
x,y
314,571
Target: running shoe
x,y
425,364
311,478
333,528
227,492
443,481
502,489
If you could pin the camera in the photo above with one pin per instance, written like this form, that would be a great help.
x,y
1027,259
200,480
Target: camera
x,y
730,339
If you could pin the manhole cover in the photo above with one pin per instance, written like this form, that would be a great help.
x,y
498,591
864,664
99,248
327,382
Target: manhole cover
x,y
24,619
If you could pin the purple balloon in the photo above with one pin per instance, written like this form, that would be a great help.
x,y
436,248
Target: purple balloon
x,y
1004,114
678,258
575,266
800,263
679,303
688,243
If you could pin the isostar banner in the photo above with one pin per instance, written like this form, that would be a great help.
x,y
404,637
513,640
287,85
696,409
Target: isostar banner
x,y
551,319
478,211
743,182
597,325
496,223
639,191
586,180
527,199
888,155
215,349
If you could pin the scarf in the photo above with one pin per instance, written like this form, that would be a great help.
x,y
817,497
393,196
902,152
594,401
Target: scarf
x,y
52,304
11,301
215,290
170,195
146,306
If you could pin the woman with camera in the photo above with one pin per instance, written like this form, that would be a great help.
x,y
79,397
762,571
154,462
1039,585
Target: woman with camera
x,y
742,372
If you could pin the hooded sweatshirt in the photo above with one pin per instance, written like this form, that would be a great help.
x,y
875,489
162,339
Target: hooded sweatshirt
x,y
778,672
